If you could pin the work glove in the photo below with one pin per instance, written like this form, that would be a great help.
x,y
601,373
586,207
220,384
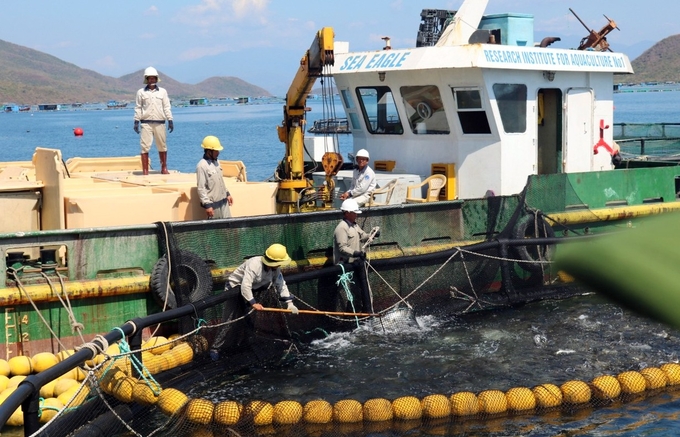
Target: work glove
x,y
359,254
136,126
214,355
293,308
377,233
171,126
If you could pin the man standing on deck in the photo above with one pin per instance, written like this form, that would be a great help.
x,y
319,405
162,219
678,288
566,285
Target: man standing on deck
x,y
363,182
348,240
212,192
249,280
152,109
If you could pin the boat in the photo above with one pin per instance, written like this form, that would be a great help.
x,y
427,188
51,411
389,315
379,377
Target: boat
x,y
114,104
202,101
516,134
242,100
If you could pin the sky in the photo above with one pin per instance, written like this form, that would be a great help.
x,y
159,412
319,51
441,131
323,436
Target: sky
x,y
262,41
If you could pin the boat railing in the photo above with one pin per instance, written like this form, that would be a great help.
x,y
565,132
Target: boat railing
x,y
645,130
655,139
330,125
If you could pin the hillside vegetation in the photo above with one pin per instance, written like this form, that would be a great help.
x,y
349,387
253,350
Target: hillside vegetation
x,y
31,77
659,63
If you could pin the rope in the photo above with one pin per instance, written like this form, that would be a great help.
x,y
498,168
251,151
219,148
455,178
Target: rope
x,y
76,326
345,279
14,272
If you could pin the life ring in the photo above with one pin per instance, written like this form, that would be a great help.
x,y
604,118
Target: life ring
x,y
533,257
191,270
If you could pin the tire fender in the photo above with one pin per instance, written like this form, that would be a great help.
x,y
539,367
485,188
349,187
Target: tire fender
x,y
191,269
533,226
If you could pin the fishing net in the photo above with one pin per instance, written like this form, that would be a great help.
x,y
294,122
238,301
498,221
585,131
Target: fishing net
x,y
161,382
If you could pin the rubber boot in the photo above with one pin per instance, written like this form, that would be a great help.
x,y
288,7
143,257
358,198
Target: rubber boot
x,y
145,163
164,162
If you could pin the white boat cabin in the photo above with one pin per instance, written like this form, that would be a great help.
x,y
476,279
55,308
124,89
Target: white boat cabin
x,y
494,111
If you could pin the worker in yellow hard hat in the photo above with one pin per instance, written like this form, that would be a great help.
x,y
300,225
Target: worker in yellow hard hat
x,y
252,279
212,191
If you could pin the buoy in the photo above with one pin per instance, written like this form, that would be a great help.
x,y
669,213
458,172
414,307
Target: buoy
x,y
672,371
492,402
287,412
200,411
43,361
348,411
407,408
317,411
227,413
78,131
655,377
464,403
436,406
261,412
578,392
20,365
520,398
377,410
606,387
632,382
171,400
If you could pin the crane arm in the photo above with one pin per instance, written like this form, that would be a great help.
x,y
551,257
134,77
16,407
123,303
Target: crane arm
x,y
291,131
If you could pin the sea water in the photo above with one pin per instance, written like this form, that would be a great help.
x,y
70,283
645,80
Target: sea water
x,y
546,342
247,133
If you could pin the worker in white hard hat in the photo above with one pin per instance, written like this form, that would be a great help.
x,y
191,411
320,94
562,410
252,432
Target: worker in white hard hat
x,y
152,110
250,280
348,242
363,181
212,192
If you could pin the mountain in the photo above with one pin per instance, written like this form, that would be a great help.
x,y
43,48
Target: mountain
x,y
659,63
31,77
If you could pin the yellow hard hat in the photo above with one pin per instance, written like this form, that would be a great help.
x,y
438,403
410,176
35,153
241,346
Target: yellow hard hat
x,y
211,143
276,255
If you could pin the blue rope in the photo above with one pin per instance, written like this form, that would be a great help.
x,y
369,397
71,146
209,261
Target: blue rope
x,y
139,366
345,279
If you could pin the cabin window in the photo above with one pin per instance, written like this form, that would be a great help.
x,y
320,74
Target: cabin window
x,y
350,109
425,109
347,98
379,110
471,113
512,106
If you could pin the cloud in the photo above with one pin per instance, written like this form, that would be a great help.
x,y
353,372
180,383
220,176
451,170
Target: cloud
x,y
147,36
153,10
106,62
201,52
211,12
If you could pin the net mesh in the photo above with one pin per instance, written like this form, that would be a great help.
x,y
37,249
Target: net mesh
x,y
155,388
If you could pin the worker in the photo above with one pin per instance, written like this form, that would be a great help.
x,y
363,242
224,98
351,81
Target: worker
x,y
212,192
348,242
251,278
152,110
363,180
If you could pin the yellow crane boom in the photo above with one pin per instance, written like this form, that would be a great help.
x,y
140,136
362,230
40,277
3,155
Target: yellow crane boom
x,y
292,180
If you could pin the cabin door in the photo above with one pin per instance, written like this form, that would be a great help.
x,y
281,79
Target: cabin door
x,y
578,144
549,131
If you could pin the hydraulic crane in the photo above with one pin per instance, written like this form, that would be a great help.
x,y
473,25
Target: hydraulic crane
x,y
296,193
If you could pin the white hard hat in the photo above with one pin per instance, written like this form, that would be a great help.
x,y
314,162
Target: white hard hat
x,y
363,153
350,205
150,71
